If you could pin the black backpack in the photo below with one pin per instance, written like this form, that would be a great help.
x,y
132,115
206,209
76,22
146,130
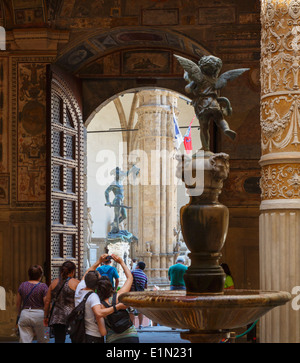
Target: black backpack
x,y
76,321
119,321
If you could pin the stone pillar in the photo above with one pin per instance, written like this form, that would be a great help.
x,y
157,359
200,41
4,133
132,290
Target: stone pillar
x,y
157,199
280,162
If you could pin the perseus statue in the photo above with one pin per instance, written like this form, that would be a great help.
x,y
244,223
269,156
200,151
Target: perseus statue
x,y
117,188
204,85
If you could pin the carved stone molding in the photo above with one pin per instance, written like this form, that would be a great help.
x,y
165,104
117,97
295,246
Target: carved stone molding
x,y
280,181
280,76
283,157
36,39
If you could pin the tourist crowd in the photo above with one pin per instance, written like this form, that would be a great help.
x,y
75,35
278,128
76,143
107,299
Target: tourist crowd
x,y
44,312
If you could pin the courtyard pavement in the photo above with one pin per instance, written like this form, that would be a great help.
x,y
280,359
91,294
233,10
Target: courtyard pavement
x,y
155,334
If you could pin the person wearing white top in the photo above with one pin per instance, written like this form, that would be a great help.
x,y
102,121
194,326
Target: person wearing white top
x,y
94,312
94,328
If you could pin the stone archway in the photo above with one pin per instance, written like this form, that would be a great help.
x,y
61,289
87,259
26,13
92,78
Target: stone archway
x,y
130,59
153,217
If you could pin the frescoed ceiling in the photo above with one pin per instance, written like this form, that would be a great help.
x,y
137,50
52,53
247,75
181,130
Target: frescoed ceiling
x,y
228,28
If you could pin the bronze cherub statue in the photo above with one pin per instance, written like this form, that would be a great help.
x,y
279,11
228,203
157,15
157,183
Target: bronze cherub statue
x,y
204,84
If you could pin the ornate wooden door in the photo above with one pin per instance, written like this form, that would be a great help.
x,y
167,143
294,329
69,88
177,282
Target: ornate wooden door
x,y
65,186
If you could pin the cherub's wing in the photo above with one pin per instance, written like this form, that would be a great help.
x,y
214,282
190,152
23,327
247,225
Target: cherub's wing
x,y
229,76
191,68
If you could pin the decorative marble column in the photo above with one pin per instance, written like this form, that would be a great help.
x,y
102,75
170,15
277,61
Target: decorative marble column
x,y
280,162
157,199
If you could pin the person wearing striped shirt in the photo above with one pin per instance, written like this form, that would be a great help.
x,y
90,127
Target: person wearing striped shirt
x,y
140,282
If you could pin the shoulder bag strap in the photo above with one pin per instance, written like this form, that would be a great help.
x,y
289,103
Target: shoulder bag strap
x,y
56,297
67,280
105,304
26,298
87,296
113,302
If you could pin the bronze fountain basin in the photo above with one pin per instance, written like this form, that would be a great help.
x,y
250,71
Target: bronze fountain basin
x,y
208,317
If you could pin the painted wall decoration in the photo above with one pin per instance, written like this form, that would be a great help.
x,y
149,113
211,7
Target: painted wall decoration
x,y
29,132
84,8
108,66
29,11
222,15
160,17
4,189
75,57
2,18
230,28
153,62
80,54
4,157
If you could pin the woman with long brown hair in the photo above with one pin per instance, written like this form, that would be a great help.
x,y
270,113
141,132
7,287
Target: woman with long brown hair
x,y
61,295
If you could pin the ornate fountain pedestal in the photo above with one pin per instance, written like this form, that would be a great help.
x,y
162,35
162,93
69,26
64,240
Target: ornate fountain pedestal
x,y
204,220
207,311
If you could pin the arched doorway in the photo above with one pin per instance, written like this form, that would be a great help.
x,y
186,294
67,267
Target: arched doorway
x,y
116,138
141,66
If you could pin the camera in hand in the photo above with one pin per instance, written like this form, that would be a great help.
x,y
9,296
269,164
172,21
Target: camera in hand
x,y
108,258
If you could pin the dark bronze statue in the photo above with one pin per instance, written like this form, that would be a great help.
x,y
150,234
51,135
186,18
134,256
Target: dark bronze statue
x,y
204,85
117,188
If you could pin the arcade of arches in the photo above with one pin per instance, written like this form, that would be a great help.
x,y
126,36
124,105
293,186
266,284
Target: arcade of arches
x,y
76,75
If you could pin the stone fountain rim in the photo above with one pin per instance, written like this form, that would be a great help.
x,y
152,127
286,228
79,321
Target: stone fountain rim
x,y
230,298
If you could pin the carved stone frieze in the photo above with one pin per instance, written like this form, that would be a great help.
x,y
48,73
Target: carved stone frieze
x,y
280,76
280,181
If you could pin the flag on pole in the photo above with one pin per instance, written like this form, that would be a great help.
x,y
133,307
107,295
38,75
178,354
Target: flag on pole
x,y
178,136
188,138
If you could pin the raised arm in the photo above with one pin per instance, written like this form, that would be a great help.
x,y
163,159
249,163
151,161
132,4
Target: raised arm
x,y
96,264
127,285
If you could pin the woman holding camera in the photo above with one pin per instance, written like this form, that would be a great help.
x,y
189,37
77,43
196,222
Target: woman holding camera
x,y
110,271
107,295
